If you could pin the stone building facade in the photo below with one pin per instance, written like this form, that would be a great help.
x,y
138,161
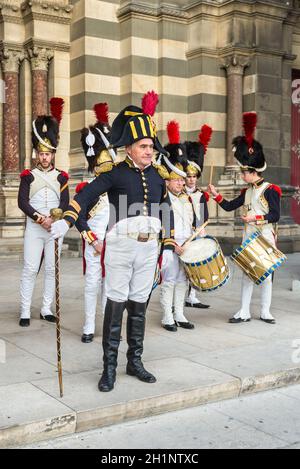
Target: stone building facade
x,y
209,60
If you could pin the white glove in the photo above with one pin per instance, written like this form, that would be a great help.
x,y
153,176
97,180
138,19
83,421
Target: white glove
x,y
59,229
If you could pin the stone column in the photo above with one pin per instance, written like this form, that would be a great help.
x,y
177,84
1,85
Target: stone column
x,y
10,216
10,60
39,58
235,66
230,182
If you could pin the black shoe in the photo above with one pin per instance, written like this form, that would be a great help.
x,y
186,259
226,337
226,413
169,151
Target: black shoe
x,y
185,325
87,338
238,320
24,322
140,373
107,381
196,305
170,327
48,318
268,321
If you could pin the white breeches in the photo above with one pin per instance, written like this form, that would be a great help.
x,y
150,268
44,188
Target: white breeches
x,y
94,288
37,240
129,268
171,269
173,288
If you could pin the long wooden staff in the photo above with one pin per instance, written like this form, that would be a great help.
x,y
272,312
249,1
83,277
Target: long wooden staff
x,y
211,174
57,214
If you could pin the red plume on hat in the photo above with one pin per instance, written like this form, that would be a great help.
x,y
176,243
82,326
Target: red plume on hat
x,y
205,136
150,101
173,132
101,112
56,108
249,124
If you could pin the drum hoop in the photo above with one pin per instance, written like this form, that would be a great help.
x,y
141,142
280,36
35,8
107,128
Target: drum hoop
x,y
270,271
245,244
206,261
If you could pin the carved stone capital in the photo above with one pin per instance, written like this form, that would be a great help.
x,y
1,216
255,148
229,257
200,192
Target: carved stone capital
x,y
40,57
58,11
10,11
235,64
10,59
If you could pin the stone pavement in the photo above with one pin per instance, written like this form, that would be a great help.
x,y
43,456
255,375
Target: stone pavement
x,y
265,420
216,361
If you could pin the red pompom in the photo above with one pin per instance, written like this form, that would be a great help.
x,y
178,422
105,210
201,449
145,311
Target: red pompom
x,y
149,103
277,189
65,175
80,186
56,108
173,132
24,173
101,112
205,136
206,195
249,124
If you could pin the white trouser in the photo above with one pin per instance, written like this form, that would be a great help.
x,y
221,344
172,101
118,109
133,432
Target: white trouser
x,y
266,298
247,284
94,288
129,268
37,240
173,288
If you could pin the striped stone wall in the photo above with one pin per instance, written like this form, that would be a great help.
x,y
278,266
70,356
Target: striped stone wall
x,y
121,49
116,57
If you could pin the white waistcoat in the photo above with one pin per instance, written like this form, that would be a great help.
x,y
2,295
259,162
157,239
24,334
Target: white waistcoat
x,y
256,204
183,216
196,197
44,191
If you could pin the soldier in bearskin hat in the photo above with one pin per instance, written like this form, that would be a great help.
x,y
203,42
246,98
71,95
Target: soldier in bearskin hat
x,y
194,168
261,202
136,193
95,144
41,189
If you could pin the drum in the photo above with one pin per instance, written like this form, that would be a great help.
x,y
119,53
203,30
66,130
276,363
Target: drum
x,y
205,264
258,258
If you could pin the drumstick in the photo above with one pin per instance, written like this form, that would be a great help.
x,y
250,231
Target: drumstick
x,y
211,174
195,234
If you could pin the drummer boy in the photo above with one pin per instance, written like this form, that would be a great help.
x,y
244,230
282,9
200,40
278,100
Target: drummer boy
x,y
261,211
174,282
194,168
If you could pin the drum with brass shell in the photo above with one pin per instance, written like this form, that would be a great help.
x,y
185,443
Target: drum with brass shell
x,y
258,258
205,264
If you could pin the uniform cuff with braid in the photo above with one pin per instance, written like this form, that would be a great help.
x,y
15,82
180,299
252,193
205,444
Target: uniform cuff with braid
x,y
89,237
260,220
218,198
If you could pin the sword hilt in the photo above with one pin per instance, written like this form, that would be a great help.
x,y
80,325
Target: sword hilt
x,y
56,214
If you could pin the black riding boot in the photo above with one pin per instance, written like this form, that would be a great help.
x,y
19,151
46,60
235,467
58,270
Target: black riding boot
x,y
112,326
135,337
